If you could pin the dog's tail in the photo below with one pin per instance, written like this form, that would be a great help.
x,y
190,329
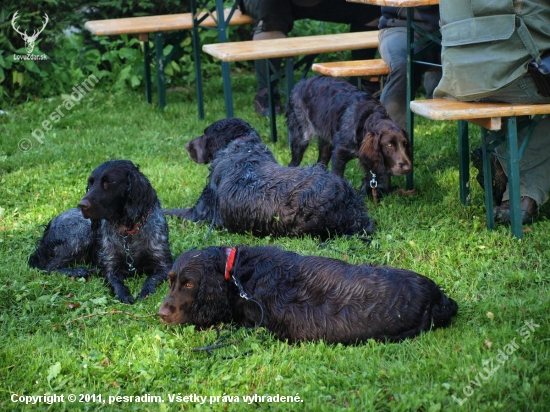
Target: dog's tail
x,y
443,311
179,213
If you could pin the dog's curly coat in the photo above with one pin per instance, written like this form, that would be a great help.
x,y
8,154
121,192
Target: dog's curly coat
x,y
248,191
120,228
348,123
303,297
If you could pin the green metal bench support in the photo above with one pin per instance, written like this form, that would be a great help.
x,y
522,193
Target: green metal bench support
x,y
508,136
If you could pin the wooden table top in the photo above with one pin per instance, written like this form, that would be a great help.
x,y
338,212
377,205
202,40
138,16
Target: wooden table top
x,y
398,3
152,24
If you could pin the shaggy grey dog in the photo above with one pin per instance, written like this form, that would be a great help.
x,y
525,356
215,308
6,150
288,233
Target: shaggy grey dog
x,y
248,191
120,228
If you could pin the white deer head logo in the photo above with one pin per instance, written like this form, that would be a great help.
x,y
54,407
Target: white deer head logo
x,y
29,40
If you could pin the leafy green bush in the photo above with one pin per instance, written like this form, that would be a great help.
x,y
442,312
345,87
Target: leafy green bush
x,y
72,54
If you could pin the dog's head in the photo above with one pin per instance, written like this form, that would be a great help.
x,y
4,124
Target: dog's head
x,y
198,290
385,148
117,191
216,137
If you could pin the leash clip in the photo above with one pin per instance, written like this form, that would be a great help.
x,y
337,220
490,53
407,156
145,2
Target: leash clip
x,y
373,182
242,293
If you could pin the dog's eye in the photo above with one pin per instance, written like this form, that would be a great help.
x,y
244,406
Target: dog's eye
x,y
106,184
189,285
389,145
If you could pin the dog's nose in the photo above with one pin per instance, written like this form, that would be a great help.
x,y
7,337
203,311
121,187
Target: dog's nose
x,y
187,145
406,167
84,204
164,313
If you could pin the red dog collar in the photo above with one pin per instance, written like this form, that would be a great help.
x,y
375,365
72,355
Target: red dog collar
x,y
230,253
134,230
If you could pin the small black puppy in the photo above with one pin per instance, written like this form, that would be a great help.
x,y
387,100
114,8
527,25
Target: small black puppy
x,y
248,191
303,297
120,228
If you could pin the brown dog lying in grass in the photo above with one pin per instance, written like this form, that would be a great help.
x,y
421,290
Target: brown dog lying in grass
x,y
302,298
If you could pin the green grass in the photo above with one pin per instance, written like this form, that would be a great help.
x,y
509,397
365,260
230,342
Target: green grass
x,y
498,281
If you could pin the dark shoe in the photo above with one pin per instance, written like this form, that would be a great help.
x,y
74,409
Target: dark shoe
x,y
528,211
261,102
499,177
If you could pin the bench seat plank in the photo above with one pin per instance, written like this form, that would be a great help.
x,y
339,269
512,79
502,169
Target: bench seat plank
x,y
153,24
398,3
374,67
291,46
444,109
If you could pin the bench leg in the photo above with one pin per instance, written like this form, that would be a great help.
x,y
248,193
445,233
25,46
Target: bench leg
x,y
270,99
410,97
487,180
513,176
147,59
463,162
197,58
289,68
159,62
226,75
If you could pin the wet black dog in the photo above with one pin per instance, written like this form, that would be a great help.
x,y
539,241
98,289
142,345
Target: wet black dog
x,y
248,191
120,228
303,297
348,123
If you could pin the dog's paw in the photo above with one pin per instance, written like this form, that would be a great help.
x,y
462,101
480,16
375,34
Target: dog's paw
x,y
128,299
146,291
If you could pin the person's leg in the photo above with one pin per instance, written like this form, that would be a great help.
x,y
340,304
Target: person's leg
x,y
431,80
393,50
272,20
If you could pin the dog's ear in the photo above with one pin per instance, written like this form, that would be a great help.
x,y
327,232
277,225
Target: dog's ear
x,y
197,149
370,154
212,304
141,196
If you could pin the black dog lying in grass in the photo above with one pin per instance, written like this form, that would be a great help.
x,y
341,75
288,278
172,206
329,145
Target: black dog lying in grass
x,y
303,297
120,227
248,191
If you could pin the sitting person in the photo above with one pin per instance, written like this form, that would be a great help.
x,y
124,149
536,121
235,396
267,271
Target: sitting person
x,y
393,50
486,55
274,19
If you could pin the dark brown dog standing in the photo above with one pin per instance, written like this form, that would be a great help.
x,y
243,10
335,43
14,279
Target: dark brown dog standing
x,y
303,297
348,124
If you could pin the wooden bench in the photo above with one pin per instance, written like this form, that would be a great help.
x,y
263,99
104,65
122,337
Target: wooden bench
x,y
288,48
490,116
355,68
373,70
144,26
